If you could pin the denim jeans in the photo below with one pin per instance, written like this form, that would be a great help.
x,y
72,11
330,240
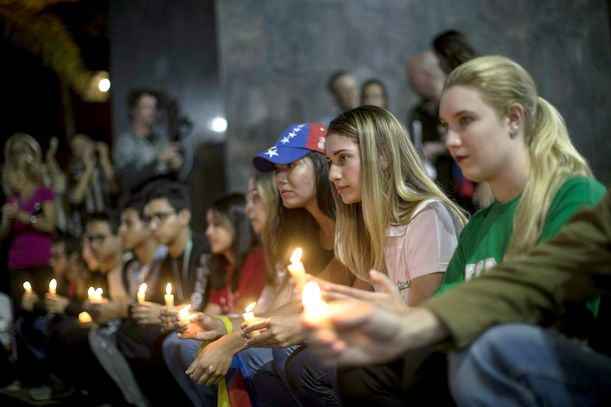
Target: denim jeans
x,y
517,364
178,355
263,371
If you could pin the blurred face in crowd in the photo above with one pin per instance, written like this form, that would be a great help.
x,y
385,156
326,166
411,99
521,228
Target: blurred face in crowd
x,y
58,260
220,233
90,261
345,92
477,138
133,230
425,76
296,183
345,167
103,244
163,221
373,95
255,208
81,146
145,111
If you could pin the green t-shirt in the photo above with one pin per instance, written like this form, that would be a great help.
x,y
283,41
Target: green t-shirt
x,y
483,241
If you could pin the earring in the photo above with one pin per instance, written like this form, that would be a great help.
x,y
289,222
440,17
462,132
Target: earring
x,y
513,131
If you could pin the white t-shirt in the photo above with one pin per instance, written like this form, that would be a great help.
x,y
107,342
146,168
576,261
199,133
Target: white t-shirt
x,y
423,246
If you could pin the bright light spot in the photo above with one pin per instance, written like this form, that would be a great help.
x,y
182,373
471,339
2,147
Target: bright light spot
x,y
219,124
104,85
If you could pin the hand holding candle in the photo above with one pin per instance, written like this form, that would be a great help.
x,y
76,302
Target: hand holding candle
x,y
250,318
297,270
168,297
142,293
183,315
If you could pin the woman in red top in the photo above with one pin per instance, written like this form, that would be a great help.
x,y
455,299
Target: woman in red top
x,y
237,266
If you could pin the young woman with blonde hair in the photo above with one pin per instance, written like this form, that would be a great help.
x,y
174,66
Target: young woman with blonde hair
x,y
499,130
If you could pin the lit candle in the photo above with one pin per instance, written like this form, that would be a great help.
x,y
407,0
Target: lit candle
x,y
84,318
250,318
168,297
142,293
53,287
94,295
296,269
98,295
314,308
91,294
27,287
183,315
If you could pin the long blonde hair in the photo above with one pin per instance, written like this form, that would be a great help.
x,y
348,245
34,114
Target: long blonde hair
x,y
268,192
502,83
393,183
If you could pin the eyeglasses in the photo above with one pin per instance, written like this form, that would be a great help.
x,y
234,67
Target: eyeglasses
x,y
96,238
158,217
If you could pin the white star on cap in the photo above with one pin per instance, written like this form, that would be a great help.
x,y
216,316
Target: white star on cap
x,y
285,140
292,134
271,151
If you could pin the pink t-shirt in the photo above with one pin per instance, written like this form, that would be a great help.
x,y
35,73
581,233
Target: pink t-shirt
x,y
423,246
30,247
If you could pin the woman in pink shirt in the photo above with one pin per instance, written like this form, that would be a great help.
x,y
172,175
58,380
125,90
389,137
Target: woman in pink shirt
x,y
28,218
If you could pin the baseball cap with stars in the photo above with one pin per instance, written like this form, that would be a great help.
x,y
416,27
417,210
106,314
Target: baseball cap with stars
x,y
295,142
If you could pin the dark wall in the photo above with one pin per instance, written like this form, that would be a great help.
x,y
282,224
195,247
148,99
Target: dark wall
x,y
168,46
277,54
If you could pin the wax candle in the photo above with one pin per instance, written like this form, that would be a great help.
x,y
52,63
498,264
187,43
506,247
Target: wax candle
x,y
142,293
53,287
98,295
183,315
296,269
27,287
84,318
314,308
250,318
168,297
95,295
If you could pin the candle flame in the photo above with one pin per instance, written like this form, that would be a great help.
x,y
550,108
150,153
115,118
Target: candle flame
x,y
168,289
142,288
98,292
183,314
311,295
52,285
91,292
296,256
250,307
27,286
84,317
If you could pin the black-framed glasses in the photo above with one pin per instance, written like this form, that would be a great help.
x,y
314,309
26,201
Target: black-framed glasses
x,y
157,217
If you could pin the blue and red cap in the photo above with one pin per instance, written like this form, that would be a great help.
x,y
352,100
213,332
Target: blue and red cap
x,y
295,142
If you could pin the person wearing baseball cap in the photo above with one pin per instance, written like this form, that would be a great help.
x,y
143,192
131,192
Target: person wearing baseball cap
x,y
295,142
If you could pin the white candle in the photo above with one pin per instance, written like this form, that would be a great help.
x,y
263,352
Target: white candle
x,y
250,318
183,315
296,269
168,297
142,293
53,287
27,287
94,295
84,318
98,295
314,308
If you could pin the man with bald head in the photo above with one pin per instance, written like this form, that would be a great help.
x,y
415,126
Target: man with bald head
x,y
426,80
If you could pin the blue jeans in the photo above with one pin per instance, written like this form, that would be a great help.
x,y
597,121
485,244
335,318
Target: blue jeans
x,y
178,355
263,371
516,364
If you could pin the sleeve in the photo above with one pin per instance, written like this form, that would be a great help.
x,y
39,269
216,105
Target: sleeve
x,y
531,288
46,195
574,195
431,241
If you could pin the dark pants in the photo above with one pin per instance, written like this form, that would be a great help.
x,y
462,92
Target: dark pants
x,y
416,378
311,382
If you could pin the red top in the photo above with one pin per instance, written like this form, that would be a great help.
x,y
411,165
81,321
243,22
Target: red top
x,y
252,281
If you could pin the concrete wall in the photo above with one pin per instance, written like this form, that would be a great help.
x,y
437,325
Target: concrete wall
x,y
277,54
